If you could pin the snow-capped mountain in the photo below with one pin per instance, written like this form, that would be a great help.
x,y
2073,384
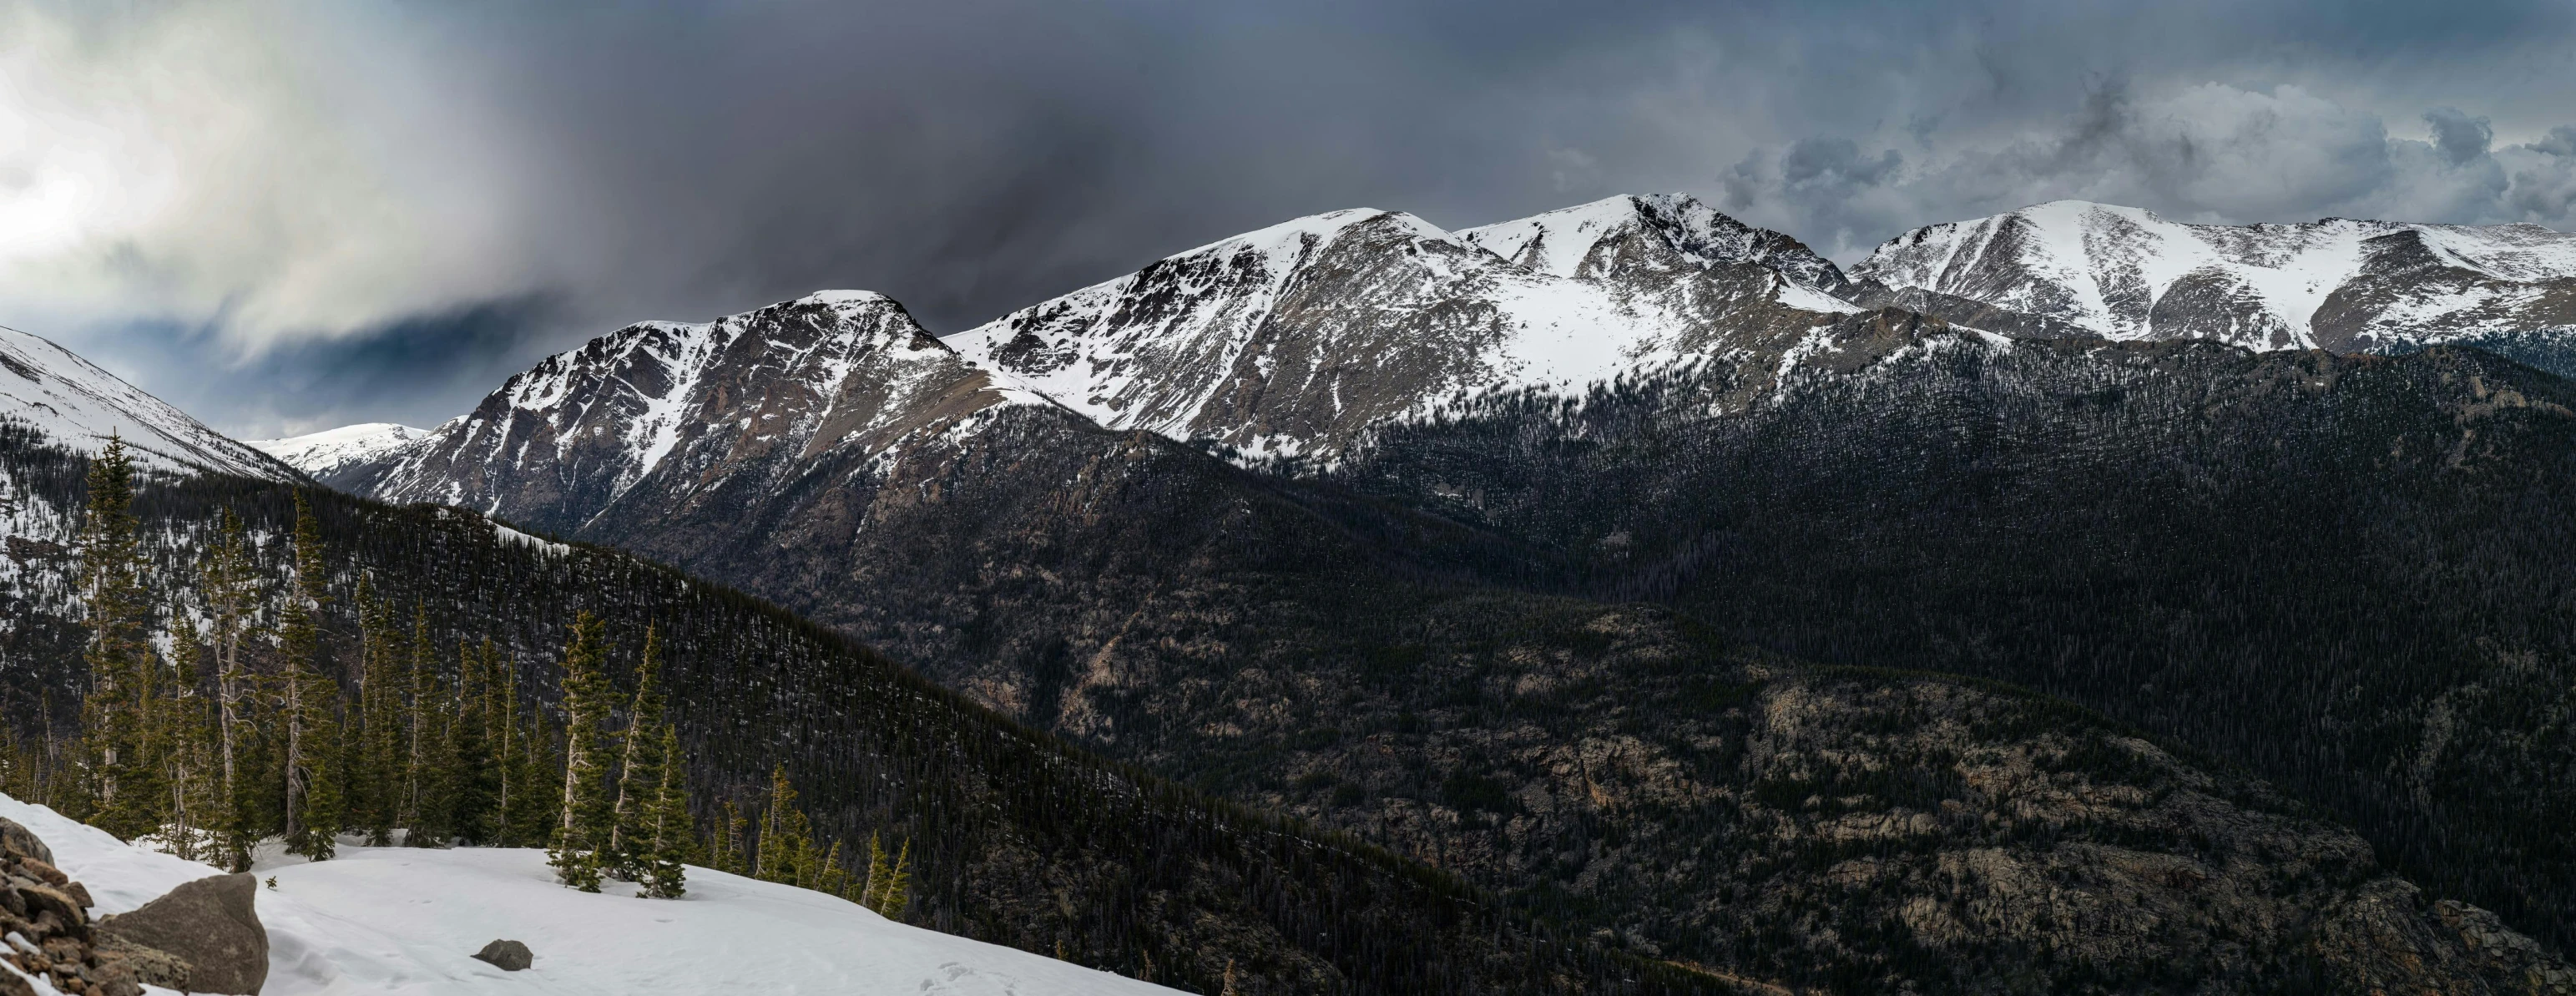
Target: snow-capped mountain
x,y
73,403
2337,284
675,408
1291,339
328,454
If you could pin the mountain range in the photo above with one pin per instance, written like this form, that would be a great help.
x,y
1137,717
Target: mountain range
x,y
1659,576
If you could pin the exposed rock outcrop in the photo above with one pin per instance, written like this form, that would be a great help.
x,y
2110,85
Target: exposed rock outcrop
x,y
211,925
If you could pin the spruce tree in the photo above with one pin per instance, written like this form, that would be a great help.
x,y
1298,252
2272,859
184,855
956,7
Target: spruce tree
x,y
786,838
731,846
537,801
419,730
228,584
665,874
111,579
639,779
888,888
373,782
589,811
473,774
305,700
509,755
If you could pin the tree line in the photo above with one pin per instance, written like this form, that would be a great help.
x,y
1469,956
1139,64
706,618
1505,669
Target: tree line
x,y
191,742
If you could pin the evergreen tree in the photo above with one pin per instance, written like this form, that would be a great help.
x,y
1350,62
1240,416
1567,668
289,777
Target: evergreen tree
x,y
664,873
537,803
888,888
228,584
829,877
589,811
639,779
305,699
730,846
117,652
509,754
786,839
184,730
474,776
374,781
420,712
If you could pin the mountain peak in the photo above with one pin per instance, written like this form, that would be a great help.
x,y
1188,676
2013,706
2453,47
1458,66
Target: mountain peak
x,y
2126,273
1576,241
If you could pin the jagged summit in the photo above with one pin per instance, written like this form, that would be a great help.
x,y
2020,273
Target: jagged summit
x,y
1580,241
1292,339
2339,284
75,404
694,403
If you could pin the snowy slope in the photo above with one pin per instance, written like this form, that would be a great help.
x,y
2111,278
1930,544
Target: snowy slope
x,y
1293,338
398,920
690,406
326,454
2339,284
77,405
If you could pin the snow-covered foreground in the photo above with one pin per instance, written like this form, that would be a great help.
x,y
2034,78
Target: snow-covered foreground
x,y
400,920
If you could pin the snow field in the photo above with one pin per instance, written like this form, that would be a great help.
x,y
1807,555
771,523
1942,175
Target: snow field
x,y
402,920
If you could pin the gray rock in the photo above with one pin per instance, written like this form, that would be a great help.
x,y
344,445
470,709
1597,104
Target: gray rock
x,y
510,956
148,965
212,925
24,841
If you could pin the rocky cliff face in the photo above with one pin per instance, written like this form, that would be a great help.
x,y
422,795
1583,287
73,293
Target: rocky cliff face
x,y
2337,284
1291,340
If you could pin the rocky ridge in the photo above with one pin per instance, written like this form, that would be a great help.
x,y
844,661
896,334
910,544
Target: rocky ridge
x,y
659,414
2338,284
1291,340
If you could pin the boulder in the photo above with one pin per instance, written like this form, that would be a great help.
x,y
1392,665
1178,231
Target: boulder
x,y
211,925
15,839
510,956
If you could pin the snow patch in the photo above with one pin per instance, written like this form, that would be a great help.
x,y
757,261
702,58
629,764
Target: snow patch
x,y
406,921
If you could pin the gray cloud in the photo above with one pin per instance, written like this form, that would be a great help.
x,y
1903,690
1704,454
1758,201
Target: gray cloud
x,y
347,208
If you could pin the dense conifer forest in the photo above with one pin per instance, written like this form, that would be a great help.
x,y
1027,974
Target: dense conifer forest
x,y
430,676
2347,574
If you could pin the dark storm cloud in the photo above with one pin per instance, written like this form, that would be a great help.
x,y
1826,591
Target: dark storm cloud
x,y
680,160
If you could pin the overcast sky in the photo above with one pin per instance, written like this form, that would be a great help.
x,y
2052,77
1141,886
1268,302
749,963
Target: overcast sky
x,y
284,216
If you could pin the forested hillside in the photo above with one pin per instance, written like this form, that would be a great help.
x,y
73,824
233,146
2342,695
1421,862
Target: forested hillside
x,y
1013,837
2348,574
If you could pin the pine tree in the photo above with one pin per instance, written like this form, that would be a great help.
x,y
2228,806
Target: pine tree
x,y
786,839
374,781
589,811
326,803
639,778
829,877
509,754
305,700
664,873
473,773
420,807
228,584
112,588
537,803
888,887
731,844
184,721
